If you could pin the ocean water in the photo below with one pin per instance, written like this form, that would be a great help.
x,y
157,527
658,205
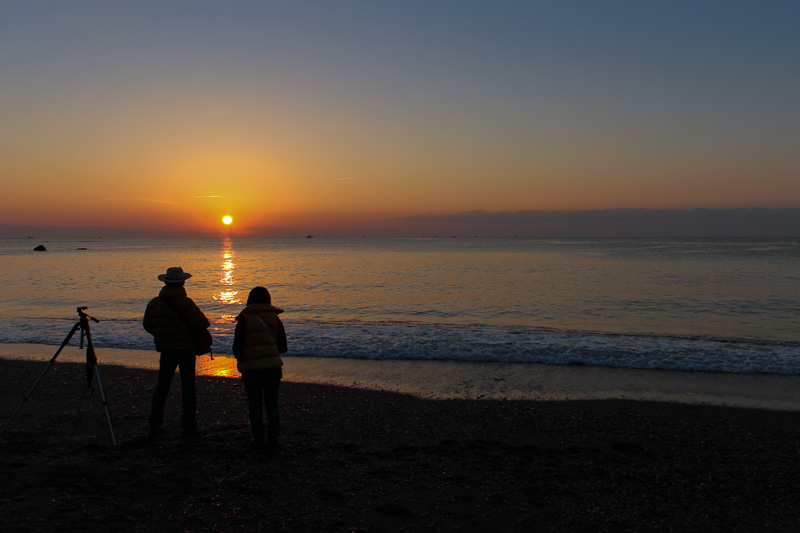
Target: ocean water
x,y
679,304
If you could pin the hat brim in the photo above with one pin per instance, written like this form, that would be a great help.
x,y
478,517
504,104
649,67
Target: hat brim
x,y
163,277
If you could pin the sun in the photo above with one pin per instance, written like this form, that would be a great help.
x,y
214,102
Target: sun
x,y
227,220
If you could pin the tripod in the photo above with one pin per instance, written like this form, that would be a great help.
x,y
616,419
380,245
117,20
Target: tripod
x,y
91,363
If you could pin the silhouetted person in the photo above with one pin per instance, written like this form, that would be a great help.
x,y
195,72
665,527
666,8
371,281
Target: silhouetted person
x,y
170,318
258,341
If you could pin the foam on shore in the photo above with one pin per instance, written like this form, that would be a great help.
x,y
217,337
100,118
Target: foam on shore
x,y
512,381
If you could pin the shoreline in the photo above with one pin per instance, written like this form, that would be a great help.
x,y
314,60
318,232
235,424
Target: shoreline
x,y
481,381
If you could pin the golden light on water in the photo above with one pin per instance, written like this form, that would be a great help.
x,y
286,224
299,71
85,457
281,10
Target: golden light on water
x,y
227,294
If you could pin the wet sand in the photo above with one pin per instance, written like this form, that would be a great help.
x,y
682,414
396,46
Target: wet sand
x,y
485,381
362,459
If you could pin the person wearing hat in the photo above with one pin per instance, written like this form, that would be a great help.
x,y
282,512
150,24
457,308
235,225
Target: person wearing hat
x,y
171,318
258,342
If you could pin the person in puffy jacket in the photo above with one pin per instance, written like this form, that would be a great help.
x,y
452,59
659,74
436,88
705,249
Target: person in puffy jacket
x,y
170,318
258,342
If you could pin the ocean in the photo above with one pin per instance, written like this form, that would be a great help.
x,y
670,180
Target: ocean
x,y
726,305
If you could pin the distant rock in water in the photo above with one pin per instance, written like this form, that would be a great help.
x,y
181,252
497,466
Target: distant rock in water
x,y
40,248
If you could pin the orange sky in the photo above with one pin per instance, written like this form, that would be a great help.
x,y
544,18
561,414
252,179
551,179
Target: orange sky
x,y
279,115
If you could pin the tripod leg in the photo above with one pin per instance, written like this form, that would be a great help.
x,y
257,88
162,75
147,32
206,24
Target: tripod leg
x,y
105,404
91,361
50,364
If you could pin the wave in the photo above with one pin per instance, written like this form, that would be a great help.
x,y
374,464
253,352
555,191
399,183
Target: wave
x,y
478,343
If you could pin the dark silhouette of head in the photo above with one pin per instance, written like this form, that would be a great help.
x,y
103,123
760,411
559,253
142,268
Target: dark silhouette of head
x,y
259,295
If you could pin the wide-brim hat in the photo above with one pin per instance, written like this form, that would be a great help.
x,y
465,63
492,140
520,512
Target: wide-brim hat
x,y
174,275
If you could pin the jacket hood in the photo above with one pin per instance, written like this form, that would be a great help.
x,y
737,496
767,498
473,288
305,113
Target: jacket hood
x,y
259,308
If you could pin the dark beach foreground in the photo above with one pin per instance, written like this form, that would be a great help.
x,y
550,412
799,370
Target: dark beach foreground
x,y
365,460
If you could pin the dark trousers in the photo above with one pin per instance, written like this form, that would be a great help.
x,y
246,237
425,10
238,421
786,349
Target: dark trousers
x,y
262,389
184,359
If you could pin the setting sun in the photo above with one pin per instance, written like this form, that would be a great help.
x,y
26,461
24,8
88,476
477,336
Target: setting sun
x,y
227,219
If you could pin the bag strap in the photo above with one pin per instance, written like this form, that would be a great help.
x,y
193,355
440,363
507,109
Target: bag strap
x,y
269,330
176,313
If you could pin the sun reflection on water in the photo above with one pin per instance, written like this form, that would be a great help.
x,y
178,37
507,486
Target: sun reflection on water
x,y
228,295
220,366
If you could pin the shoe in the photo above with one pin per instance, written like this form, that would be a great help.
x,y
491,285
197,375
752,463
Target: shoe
x,y
155,431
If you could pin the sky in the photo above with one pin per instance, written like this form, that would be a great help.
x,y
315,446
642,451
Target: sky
x,y
401,118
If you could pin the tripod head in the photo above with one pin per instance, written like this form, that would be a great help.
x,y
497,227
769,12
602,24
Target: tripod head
x,y
83,316
83,323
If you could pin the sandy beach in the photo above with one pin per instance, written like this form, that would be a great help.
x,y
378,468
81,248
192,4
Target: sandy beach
x,y
360,459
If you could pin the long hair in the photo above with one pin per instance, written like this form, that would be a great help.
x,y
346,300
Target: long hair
x,y
259,295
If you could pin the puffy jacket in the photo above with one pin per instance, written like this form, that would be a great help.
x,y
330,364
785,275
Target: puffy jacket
x,y
168,330
255,347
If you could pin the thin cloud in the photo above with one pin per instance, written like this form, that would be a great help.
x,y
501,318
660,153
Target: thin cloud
x,y
157,200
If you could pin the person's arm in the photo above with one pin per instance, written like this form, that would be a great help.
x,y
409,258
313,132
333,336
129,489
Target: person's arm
x,y
146,321
281,339
238,338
